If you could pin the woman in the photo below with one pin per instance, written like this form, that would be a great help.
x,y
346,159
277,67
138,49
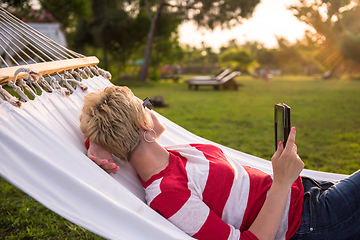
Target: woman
x,y
206,194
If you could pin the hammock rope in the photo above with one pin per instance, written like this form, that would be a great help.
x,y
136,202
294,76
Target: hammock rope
x,y
23,49
29,35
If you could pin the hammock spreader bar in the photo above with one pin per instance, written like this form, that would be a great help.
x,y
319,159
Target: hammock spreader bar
x,y
7,74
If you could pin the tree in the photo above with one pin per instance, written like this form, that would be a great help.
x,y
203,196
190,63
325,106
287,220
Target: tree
x,y
111,28
205,13
264,56
199,60
66,12
238,58
118,28
12,5
337,26
166,47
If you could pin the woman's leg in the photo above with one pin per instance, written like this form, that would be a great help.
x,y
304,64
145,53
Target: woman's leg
x,y
331,209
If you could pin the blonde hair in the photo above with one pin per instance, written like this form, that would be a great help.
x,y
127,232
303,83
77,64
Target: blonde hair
x,y
111,118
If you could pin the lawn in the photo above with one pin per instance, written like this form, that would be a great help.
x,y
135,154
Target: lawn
x,y
325,113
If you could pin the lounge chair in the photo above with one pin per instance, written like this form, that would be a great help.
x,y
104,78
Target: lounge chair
x,y
227,82
218,76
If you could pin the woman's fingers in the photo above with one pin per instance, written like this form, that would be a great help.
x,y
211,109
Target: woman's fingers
x,y
278,152
109,167
99,161
112,168
291,140
107,164
289,145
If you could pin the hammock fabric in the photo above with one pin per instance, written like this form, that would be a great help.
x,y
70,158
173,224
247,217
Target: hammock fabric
x,y
43,154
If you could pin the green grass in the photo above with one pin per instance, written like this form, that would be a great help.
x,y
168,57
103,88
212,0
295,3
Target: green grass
x,y
325,113
21,217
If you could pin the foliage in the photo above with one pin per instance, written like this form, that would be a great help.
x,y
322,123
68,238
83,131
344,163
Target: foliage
x,y
36,15
24,11
166,48
201,60
119,28
67,12
290,58
117,32
112,29
294,58
237,59
213,13
206,13
337,32
263,56
15,5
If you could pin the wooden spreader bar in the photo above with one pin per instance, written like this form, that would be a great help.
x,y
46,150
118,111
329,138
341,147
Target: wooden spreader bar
x,y
8,73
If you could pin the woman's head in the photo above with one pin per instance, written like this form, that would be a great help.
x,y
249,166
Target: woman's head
x,y
112,118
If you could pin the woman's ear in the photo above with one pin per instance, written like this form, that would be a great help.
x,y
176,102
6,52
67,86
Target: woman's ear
x,y
144,126
146,123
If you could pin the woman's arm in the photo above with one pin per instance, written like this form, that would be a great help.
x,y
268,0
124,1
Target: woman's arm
x,y
286,167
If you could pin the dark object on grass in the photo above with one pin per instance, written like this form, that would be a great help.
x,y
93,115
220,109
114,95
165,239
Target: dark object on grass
x,y
158,102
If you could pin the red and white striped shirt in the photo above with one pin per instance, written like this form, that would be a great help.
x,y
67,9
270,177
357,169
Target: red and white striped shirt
x,y
209,196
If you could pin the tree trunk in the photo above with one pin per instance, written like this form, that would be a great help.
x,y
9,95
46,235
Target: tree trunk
x,y
150,39
105,58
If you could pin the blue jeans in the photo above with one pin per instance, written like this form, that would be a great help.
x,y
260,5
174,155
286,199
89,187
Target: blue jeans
x,y
331,210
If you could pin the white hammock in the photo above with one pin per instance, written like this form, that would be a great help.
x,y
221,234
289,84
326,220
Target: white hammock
x,y
42,153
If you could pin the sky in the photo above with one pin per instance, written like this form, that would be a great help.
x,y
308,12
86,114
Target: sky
x,y
270,19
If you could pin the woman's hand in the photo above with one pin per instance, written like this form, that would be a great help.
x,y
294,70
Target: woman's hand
x,y
102,157
287,165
